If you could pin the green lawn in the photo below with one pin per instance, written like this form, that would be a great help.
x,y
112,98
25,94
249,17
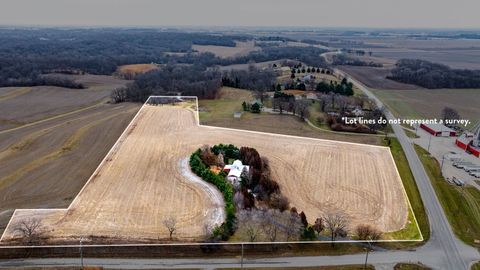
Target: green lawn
x,y
461,204
410,231
410,134
476,266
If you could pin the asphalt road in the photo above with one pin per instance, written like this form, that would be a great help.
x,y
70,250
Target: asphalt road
x,y
455,254
442,251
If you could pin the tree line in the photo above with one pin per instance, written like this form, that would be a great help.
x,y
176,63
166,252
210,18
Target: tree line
x,y
433,75
252,79
191,80
344,88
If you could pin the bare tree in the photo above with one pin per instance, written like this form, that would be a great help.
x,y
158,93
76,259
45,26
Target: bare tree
x,y
450,114
249,225
336,223
293,226
207,156
29,230
279,201
238,200
319,226
301,108
171,224
270,223
118,95
367,232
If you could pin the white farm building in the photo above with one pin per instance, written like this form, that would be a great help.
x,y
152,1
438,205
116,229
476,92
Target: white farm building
x,y
235,171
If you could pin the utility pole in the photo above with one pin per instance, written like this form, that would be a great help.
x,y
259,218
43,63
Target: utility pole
x,y
368,249
441,167
81,251
241,260
429,141
366,259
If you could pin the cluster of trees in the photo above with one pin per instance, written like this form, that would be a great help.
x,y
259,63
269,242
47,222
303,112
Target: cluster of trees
x,y
308,55
252,79
343,88
191,80
342,59
265,224
337,106
197,165
37,79
302,69
433,75
260,182
336,123
254,107
285,102
449,113
26,53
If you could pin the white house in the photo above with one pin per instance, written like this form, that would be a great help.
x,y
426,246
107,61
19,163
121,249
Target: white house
x,y
235,170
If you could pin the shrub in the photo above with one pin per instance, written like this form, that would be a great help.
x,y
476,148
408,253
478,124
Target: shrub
x,y
199,168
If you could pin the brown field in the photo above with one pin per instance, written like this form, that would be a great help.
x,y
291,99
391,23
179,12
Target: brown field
x,y
141,181
456,53
135,69
241,49
44,165
49,101
418,103
453,57
376,78
45,135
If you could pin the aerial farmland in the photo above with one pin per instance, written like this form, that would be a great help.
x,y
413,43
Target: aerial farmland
x,y
144,179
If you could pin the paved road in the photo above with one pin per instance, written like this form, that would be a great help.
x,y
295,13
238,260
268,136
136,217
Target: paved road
x,y
443,250
456,255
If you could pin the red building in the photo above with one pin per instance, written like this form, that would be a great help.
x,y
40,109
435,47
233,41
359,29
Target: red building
x,y
438,130
465,142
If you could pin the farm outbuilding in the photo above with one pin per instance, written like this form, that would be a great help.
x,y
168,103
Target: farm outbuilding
x,y
438,130
470,142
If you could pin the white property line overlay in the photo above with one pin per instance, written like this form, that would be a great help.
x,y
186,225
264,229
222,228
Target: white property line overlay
x,y
200,244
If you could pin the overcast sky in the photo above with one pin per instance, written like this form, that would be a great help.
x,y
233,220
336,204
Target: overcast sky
x,y
314,13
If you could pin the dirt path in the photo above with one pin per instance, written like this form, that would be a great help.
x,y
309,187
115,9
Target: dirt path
x,y
216,215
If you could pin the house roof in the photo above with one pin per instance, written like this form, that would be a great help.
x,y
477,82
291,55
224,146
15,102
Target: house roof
x,y
236,168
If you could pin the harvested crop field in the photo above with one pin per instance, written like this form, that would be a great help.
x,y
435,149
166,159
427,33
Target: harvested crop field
x,y
49,101
142,181
242,48
45,165
418,103
136,68
375,77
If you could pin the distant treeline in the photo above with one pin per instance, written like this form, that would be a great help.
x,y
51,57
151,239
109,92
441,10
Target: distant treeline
x,y
26,54
171,80
342,59
38,80
433,75
308,55
251,79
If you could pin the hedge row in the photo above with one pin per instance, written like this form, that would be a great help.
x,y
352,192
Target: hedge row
x,y
200,169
